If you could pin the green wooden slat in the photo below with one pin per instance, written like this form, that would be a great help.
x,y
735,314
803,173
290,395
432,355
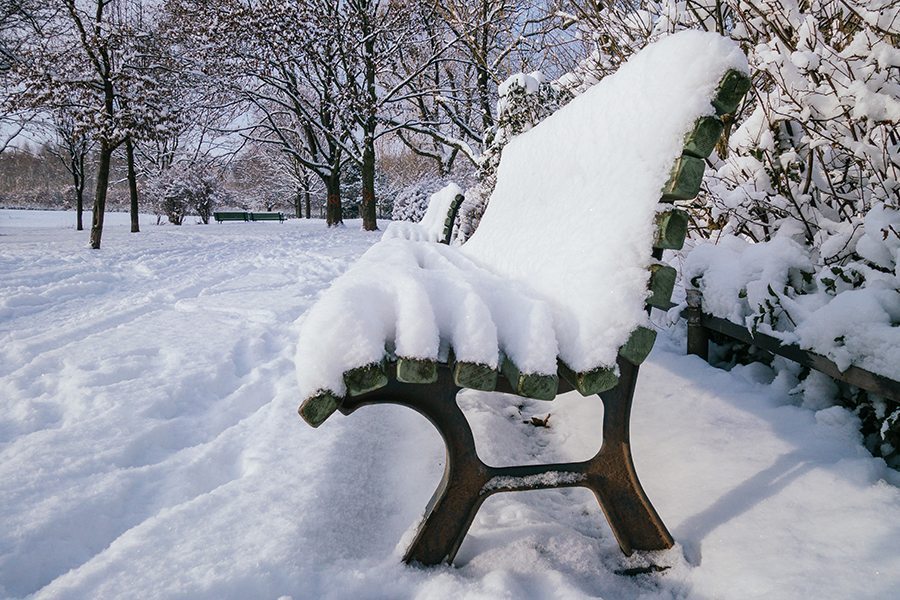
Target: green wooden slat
x,y
475,376
530,385
685,179
591,382
703,137
671,229
662,283
365,379
730,91
414,370
319,407
451,218
638,346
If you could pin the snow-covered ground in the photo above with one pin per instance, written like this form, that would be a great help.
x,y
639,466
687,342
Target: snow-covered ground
x,y
150,447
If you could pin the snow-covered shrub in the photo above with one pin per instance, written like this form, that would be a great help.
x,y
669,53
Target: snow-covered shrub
x,y
174,208
815,142
411,202
179,191
803,195
819,145
889,435
524,101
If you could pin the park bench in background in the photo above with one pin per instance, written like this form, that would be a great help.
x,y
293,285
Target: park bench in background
x,y
551,291
248,216
267,216
231,216
437,222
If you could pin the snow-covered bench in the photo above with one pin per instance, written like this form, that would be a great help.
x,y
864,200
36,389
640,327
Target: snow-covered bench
x,y
221,216
267,216
437,222
551,291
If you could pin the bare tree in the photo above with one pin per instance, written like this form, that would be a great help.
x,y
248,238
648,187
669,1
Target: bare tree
x,y
82,59
14,17
370,36
279,59
72,148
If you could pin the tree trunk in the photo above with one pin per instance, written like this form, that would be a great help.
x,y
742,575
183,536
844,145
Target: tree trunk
x,y
308,204
368,156
333,211
132,185
79,209
368,186
298,205
483,77
78,179
100,196
484,99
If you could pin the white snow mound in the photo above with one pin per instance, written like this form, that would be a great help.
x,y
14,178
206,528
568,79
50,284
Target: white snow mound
x,y
558,265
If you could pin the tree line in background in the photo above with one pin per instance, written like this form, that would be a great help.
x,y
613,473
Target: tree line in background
x,y
324,93
382,98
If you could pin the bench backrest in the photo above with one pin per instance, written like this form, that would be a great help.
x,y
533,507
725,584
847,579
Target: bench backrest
x,y
436,224
573,211
440,206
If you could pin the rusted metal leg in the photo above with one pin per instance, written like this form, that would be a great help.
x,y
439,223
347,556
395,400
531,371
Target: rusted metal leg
x,y
612,477
459,495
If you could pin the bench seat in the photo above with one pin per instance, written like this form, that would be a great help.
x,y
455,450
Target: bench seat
x,y
221,216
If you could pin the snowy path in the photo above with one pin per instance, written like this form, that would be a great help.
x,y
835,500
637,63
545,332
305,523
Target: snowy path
x,y
149,447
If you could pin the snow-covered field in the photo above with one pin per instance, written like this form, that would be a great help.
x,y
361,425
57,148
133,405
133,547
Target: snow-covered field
x,y
150,447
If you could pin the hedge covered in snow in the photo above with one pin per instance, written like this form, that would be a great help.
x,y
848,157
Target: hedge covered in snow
x,y
801,210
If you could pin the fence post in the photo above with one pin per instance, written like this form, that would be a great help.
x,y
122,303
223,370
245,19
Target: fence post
x,y
697,335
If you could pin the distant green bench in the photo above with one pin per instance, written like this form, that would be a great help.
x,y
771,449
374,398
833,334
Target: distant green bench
x,y
267,216
248,216
231,216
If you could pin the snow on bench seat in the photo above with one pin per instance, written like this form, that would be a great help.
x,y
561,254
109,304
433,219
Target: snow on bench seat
x,y
559,265
433,227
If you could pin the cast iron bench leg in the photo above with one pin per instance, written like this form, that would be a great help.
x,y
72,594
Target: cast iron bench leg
x,y
458,497
614,481
467,481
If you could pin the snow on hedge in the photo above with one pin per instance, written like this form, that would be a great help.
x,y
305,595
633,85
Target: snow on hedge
x,y
431,227
559,263
848,312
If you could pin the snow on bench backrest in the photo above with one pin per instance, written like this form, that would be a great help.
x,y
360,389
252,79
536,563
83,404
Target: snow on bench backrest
x,y
572,212
431,227
558,267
